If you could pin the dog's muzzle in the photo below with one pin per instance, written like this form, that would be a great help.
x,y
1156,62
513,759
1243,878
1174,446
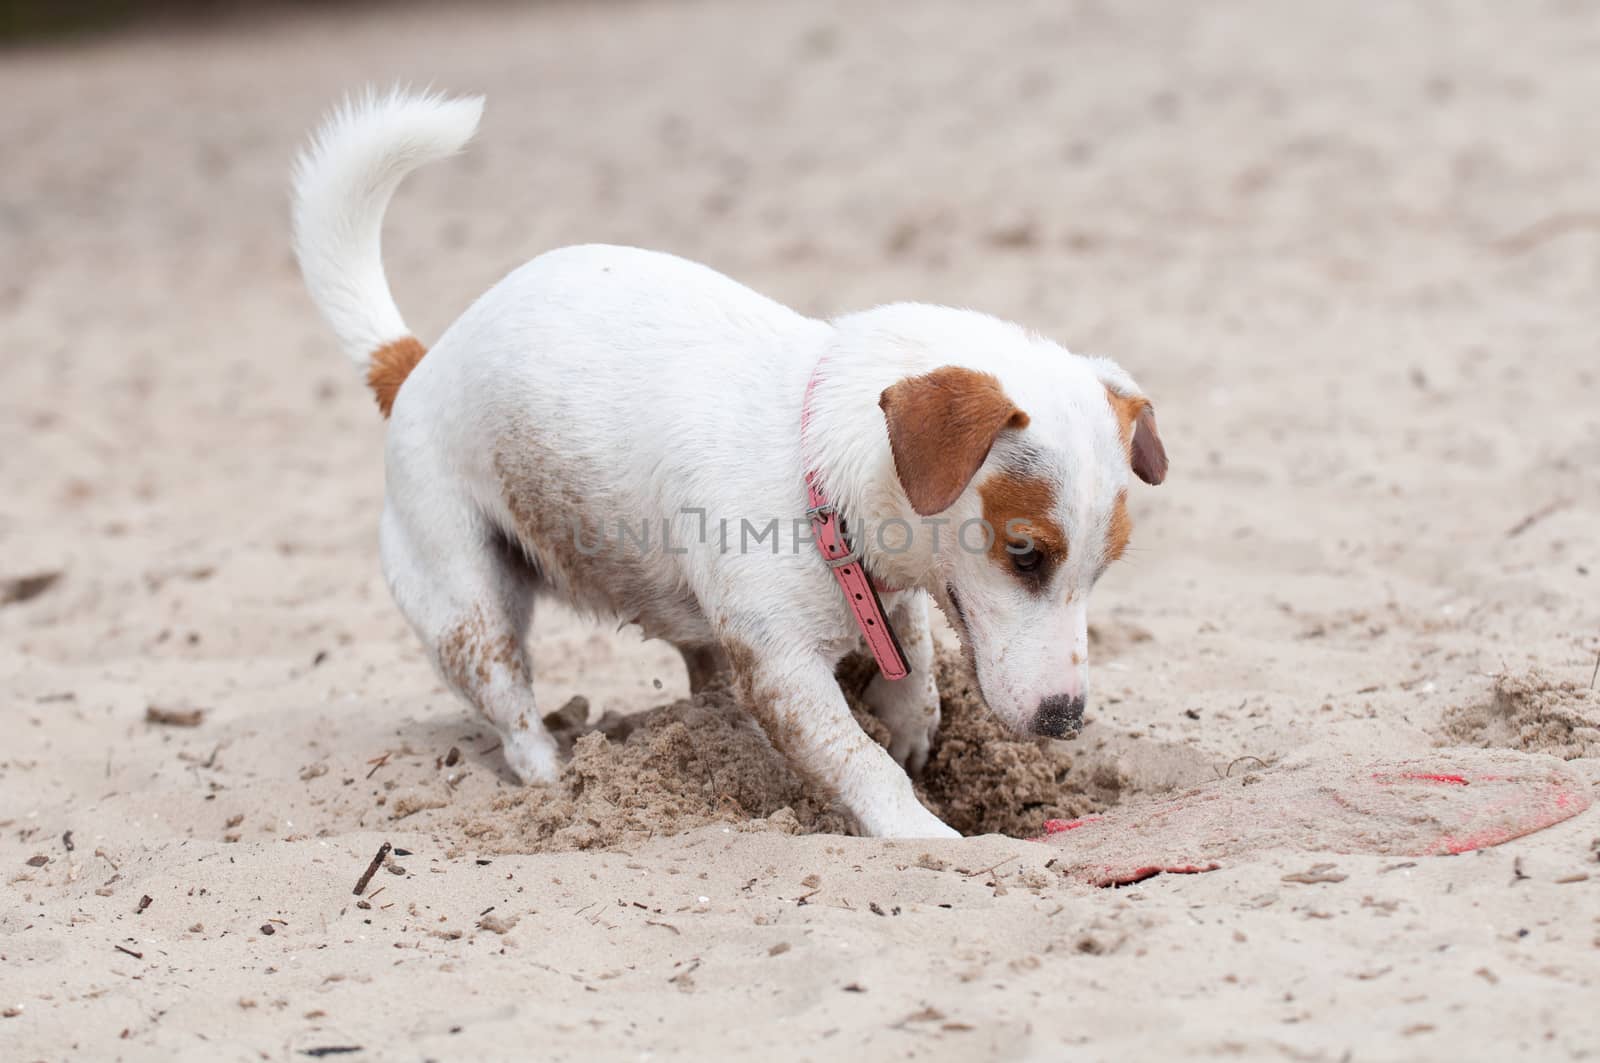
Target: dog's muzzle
x,y
1059,716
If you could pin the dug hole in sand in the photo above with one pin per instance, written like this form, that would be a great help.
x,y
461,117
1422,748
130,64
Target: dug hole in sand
x,y
704,760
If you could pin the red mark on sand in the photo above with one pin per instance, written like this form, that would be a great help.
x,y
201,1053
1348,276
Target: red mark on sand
x,y
1057,826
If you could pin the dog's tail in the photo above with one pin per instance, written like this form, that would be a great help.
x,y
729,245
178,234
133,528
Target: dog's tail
x,y
342,186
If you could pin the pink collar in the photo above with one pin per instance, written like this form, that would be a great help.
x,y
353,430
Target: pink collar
x,y
859,592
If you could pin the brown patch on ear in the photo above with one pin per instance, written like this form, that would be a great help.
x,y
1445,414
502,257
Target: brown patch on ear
x,y
1127,409
1120,528
941,427
389,367
1028,501
1137,420
1149,456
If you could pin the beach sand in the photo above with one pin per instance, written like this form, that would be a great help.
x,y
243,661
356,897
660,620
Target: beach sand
x,y
1353,253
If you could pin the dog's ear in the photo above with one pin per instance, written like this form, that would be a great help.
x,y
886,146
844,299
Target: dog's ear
x,y
941,427
1138,421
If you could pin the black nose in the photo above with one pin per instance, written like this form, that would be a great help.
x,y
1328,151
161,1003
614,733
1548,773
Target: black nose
x,y
1059,716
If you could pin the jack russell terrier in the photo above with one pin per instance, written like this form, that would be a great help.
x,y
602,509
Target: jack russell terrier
x,y
639,436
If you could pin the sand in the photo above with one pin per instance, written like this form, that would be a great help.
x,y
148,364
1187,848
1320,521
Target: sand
x,y
1351,252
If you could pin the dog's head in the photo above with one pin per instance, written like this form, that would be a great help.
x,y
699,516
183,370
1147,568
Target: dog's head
x,y
1027,452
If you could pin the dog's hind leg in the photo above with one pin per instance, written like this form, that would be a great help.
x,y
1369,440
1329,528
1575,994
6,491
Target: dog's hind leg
x,y
469,597
706,664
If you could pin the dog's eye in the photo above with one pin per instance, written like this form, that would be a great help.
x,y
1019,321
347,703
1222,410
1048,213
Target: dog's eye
x,y
1027,561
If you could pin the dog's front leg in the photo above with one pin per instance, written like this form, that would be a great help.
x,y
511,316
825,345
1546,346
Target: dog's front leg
x,y
909,706
799,704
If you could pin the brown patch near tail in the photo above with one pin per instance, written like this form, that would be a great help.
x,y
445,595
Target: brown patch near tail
x,y
1017,506
941,427
1136,419
389,367
1120,528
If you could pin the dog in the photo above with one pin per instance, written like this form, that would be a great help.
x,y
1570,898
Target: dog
x,y
918,453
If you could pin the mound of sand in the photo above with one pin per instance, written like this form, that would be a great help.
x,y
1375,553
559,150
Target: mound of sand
x,y
703,760
1531,712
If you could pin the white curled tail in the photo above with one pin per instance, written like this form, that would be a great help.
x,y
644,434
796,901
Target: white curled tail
x,y
342,186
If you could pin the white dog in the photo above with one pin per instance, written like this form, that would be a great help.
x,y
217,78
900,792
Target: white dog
x,y
653,442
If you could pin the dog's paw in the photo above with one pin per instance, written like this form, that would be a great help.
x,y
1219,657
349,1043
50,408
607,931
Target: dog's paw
x,y
532,757
909,746
911,712
926,825
897,813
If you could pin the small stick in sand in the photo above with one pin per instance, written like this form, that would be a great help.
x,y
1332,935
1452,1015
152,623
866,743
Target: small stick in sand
x,y
1536,516
372,869
1592,677
174,717
1547,228
130,952
378,762
22,588
986,870
1317,874
1240,760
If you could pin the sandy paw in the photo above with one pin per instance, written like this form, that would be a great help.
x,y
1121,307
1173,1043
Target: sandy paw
x,y
917,823
912,715
532,758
